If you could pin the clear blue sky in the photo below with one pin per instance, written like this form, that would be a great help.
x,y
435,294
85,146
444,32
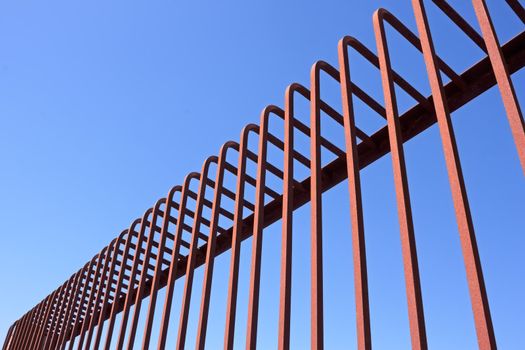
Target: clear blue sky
x,y
106,105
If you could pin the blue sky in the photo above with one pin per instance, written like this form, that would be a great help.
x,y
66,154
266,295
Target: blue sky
x,y
104,106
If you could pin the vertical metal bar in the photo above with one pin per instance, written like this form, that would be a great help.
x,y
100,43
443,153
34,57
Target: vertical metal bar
x,y
35,344
73,301
144,272
33,327
122,272
478,293
85,288
510,101
174,262
132,278
21,331
54,320
158,267
48,325
190,262
54,328
210,251
62,310
316,213
91,300
104,281
38,323
63,326
233,282
14,335
40,318
11,336
406,226
107,294
30,328
364,339
9,340
255,273
8,337
45,320
287,222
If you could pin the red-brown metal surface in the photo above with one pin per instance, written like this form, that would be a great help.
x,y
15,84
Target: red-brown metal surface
x,y
500,69
183,231
408,243
236,239
478,294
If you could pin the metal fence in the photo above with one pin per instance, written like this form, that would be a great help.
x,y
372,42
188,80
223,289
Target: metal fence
x,y
100,305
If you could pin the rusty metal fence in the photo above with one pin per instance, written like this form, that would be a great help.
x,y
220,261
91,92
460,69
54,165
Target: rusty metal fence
x,y
100,305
